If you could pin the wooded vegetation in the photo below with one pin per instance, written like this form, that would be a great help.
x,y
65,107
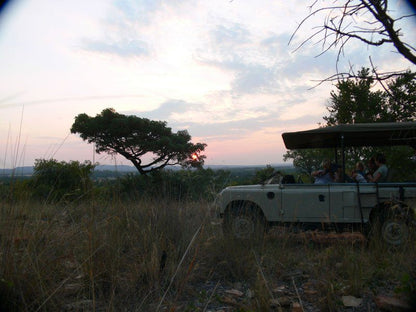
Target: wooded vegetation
x,y
64,182
150,145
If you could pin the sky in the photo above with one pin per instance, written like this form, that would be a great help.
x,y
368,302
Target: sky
x,y
223,70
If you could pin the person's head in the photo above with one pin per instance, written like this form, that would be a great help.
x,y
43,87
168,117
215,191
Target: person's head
x,y
326,164
380,159
371,163
359,166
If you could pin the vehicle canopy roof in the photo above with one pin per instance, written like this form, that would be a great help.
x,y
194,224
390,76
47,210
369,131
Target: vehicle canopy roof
x,y
360,134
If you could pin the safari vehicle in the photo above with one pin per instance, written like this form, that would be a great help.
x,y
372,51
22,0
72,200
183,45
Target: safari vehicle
x,y
386,210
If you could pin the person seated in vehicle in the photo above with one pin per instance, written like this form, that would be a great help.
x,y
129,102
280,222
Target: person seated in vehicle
x,y
358,173
371,168
380,175
339,177
324,175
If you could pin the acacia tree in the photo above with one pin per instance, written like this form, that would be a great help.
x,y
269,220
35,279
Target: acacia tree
x,y
150,145
371,22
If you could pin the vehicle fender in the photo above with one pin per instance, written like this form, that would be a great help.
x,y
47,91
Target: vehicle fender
x,y
392,206
235,204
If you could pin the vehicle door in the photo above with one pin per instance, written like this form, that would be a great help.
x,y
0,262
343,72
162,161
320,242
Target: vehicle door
x,y
305,203
344,203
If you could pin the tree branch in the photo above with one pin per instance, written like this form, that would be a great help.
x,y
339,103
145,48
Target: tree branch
x,y
388,24
368,21
340,18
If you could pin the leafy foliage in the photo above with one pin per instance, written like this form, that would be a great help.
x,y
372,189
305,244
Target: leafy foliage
x,y
263,174
139,139
354,102
172,185
169,184
53,180
401,99
308,160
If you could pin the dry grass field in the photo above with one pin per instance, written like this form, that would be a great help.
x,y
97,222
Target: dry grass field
x,y
156,255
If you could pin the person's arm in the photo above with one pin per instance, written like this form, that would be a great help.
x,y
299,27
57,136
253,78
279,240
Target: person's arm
x,y
375,177
315,173
359,178
318,173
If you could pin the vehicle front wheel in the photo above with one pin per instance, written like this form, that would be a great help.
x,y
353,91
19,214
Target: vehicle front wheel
x,y
244,221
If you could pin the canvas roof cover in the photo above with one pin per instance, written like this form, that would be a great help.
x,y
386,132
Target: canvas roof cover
x,y
363,134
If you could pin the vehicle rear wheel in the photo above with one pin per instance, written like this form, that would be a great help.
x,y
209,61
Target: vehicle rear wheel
x,y
244,221
392,225
394,231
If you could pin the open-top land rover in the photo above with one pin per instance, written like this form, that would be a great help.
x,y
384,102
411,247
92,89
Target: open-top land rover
x,y
386,210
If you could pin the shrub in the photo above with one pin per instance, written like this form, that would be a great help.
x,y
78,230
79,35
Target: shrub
x,y
173,185
55,181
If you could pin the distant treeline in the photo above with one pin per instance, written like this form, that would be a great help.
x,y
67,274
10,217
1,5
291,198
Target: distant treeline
x,y
54,181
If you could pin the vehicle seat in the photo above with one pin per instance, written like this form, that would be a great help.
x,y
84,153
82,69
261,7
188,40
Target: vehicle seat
x,y
390,173
288,179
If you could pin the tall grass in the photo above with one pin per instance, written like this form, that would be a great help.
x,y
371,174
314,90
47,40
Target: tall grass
x,y
103,252
155,254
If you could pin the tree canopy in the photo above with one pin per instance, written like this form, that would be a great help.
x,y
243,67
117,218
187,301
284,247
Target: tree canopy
x,y
150,145
355,101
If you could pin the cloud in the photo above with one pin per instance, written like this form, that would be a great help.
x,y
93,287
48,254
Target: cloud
x,y
202,122
164,111
228,35
123,30
123,48
262,63
137,10
255,78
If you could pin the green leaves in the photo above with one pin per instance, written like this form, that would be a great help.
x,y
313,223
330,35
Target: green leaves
x,y
355,102
55,180
150,145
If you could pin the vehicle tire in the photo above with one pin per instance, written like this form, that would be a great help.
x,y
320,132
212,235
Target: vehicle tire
x,y
394,232
244,221
392,225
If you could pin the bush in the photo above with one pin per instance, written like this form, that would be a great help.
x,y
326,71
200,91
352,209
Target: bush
x,y
55,181
172,185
